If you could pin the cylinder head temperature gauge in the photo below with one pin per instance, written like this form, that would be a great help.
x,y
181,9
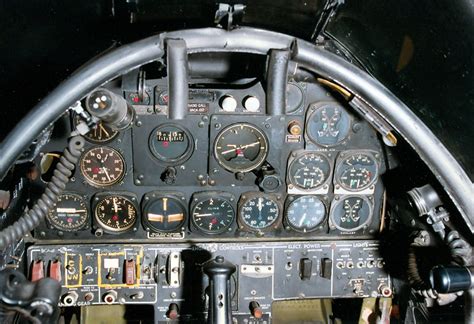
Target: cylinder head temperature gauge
x,y
305,213
69,213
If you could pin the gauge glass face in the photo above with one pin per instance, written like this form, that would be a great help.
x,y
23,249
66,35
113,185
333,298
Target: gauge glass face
x,y
328,125
170,143
99,134
213,215
357,172
115,213
241,148
102,166
165,214
69,213
259,213
309,171
351,213
305,213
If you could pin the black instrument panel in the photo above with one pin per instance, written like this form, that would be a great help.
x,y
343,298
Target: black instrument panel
x,y
225,172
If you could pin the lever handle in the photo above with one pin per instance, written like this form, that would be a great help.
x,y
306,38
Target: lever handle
x,y
219,271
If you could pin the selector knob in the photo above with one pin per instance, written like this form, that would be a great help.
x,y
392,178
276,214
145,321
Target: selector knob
x,y
252,104
228,103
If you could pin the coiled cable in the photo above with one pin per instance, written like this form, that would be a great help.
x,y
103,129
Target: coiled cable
x,y
53,190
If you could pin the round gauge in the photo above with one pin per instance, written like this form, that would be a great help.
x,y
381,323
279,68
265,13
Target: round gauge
x,y
305,213
309,171
213,215
351,213
164,214
115,214
259,212
102,166
294,98
241,147
171,143
69,213
100,134
328,125
357,172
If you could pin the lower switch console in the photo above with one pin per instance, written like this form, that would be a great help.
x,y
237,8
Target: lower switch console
x,y
171,277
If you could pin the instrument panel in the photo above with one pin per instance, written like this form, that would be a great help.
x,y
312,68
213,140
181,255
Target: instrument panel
x,y
226,171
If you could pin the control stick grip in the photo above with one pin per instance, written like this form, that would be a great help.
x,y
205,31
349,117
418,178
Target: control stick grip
x,y
447,279
219,272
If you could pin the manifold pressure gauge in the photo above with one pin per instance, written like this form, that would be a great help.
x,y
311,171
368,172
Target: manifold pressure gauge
x,y
69,213
115,214
259,212
164,214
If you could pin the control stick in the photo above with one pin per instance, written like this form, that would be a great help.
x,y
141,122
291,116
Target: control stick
x,y
219,271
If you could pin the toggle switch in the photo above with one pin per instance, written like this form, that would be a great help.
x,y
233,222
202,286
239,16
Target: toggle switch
x,y
37,270
55,270
326,268
130,272
306,266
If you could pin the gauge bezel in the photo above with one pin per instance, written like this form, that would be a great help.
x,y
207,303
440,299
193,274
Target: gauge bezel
x,y
100,197
87,137
290,200
171,161
199,197
254,165
339,200
313,110
247,196
94,183
84,224
340,188
323,188
149,199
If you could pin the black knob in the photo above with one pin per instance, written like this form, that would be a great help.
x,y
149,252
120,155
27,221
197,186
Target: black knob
x,y
219,272
447,279
169,175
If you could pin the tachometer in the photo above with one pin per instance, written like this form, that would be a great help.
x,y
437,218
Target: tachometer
x,y
305,213
258,212
69,213
351,213
164,214
357,172
213,215
309,171
241,147
102,166
328,125
171,143
115,214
